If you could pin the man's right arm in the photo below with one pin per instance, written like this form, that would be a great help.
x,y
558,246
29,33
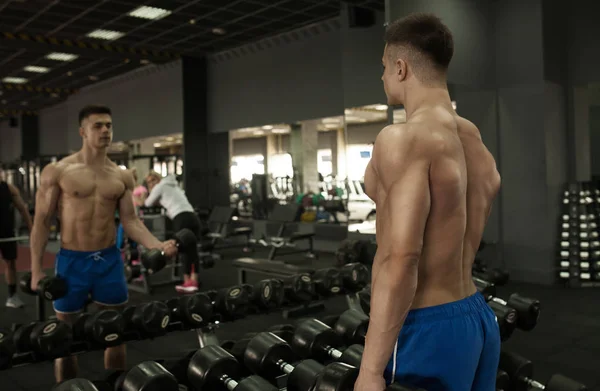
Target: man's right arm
x,y
46,202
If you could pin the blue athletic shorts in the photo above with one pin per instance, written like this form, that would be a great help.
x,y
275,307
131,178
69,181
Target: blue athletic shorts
x,y
450,347
99,273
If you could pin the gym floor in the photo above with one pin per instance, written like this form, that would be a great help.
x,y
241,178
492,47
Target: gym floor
x,y
567,339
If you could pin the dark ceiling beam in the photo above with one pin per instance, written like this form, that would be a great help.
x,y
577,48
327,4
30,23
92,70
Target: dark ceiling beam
x,y
16,112
35,89
41,44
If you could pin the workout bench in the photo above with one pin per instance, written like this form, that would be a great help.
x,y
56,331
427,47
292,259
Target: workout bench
x,y
285,215
221,216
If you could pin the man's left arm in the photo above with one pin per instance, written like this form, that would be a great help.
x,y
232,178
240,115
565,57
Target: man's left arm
x,y
132,225
403,171
21,206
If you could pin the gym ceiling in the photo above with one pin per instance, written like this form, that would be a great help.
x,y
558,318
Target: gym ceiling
x,y
51,48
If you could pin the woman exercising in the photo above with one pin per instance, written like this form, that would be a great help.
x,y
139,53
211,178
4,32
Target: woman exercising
x,y
166,193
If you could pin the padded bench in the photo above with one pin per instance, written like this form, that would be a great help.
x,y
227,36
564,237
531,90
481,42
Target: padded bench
x,y
274,269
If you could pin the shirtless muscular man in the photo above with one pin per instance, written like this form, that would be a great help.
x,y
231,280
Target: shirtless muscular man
x,y
434,182
85,189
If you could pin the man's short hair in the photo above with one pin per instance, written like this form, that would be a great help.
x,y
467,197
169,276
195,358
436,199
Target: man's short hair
x,y
425,34
93,109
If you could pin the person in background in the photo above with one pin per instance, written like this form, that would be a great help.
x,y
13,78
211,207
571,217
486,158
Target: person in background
x,y
10,198
166,193
140,193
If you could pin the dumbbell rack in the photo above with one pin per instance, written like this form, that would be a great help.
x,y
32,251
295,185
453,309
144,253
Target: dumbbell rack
x,y
149,280
579,242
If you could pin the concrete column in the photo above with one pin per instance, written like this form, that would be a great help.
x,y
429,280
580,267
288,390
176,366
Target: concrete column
x,y
271,149
310,146
142,147
341,161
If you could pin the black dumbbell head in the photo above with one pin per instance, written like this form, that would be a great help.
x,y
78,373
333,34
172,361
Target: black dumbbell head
x,y
198,310
353,355
502,380
51,339
337,376
75,384
7,348
486,288
507,319
208,365
327,281
154,260
355,276
515,366
186,240
233,302
352,326
300,288
559,382
305,375
151,318
22,337
105,328
149,375
52,288
312,337
263,352
255,383
268,293
528,311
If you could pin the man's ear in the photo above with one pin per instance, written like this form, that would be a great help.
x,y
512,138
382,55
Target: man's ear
x,y
401,69
81,131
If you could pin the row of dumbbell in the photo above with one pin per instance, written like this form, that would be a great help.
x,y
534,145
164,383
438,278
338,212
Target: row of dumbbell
x,y
580,275
515,373
52,339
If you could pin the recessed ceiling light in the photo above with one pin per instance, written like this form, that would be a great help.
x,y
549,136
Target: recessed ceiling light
x,y
107,35
151,13
14,80
69,73
61,56
36,69
144,62
192,21
157,145
93,78
218,31
267,127
126,61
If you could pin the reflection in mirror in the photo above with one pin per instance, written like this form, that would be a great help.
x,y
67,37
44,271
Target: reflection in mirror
x,y
362,124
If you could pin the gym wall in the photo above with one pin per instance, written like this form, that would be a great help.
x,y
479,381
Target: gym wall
x,y
146,102
10,140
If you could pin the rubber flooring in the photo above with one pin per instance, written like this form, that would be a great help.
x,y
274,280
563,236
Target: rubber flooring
x,y
566,340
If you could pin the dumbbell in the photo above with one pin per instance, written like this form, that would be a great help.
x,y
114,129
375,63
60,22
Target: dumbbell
x,y
352,327
502,381
46,340
7,348
75,385
148,375
266,294
520,372
50,288
364,298
314,338
132,272
269,356
528,310
103,329
231,303
154,260
299,288
148,320
497,276
193,311
327,282
355,276
212,368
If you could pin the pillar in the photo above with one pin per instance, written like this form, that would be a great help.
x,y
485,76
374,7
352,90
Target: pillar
x,y
205,154
143,166
341,161
30,137
271,149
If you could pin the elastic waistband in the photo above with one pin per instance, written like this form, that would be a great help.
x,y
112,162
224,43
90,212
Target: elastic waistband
x,y
84,254
473,303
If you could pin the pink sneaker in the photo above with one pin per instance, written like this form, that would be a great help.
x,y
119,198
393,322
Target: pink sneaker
x,y
187,287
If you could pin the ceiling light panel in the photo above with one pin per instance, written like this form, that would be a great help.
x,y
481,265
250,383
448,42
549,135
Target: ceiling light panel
x,y
36,69
150,13
107,35
14,80
62,56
